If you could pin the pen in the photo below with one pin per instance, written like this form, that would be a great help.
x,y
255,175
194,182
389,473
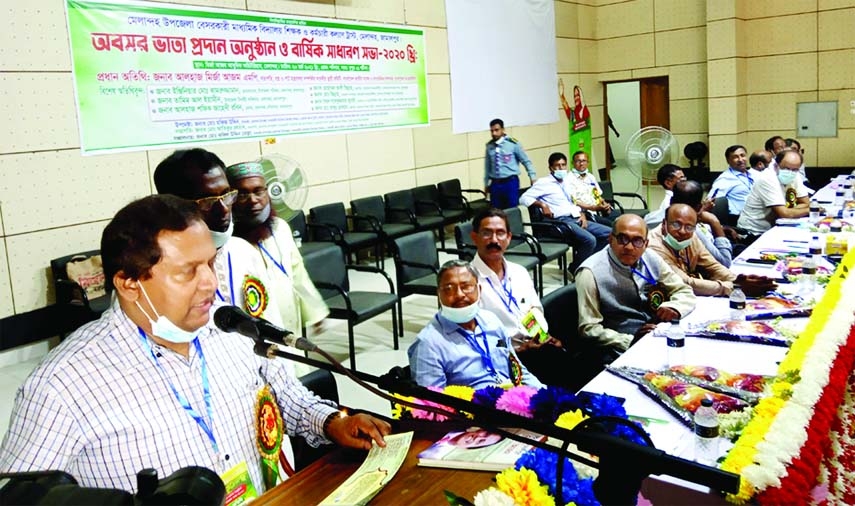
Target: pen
x,y
795,242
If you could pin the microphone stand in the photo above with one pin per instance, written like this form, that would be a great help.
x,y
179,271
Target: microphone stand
x,y
622,465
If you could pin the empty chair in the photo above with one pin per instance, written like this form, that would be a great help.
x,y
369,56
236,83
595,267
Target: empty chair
x,y
301,229
451,196
332,225
549,236
416,267
401,208
617,208
329,273
430,194
374,208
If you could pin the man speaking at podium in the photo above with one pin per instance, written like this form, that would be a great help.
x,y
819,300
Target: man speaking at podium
x,y
153,384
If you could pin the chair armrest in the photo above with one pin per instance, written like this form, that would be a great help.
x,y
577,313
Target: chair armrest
x,y
472,190
375,270
334,232
631,195
419,265
457,202
532,242
432,208
410,218
70,292
616,205
341,291
550,230
371,221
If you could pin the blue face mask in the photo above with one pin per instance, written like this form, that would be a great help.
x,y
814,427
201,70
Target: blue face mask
x,y
675,244
559,174
163,327
460,314
786,176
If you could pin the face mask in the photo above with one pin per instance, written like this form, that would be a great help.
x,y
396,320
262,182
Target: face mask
x,y
581,172
460,314
163,327
259,218
221,238
559,174
786,176
675,244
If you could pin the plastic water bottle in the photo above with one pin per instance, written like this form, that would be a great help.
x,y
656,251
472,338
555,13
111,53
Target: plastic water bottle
x,y
815,249
298,239
676,341
808,277
706,433
839,197
814,210
737,303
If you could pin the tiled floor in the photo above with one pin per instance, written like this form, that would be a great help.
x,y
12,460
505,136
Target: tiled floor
x,y
374,353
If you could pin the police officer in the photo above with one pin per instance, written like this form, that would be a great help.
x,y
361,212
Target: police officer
x,y
501,167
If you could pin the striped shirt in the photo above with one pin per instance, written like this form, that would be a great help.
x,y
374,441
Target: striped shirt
x,y
98,407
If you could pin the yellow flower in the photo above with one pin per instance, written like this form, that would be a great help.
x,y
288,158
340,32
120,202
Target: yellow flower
x,y
460,391
524,487
570,419
782,389
397,409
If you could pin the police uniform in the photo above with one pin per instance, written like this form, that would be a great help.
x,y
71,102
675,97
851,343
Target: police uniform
x,y
501,171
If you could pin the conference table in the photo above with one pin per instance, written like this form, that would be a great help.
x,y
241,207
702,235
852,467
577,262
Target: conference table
x,y
414,485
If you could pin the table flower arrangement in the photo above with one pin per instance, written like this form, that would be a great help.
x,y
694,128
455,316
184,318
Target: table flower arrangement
x,y
532,480
794,449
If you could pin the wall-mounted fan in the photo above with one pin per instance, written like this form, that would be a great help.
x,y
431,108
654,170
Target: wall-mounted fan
x,y
649,149
286,184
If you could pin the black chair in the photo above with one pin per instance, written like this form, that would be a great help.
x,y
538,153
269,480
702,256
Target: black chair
x,y
560,307
374,208
305,231
549,236
617,208
332,222
467,250
321,383
416,267
451,197
721,210
329,273
401,207
430,194
71,296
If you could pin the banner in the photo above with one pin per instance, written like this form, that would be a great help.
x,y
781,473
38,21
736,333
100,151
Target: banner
x,y
579,124
152,75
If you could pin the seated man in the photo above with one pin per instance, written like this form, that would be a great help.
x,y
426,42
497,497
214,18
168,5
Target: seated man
x,y
624,290
508,292
153,384
552,194
759,160
585,190
668,175
734,183
709,230
677,243
299,302
462,344
777,193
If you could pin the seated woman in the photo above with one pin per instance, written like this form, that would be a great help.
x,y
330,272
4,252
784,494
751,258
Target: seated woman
x,y
464,344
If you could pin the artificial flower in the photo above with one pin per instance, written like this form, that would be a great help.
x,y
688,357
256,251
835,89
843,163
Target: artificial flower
x,y
570,419
493,497
523,486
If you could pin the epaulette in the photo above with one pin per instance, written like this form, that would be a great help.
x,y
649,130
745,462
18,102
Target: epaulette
x,y
508,137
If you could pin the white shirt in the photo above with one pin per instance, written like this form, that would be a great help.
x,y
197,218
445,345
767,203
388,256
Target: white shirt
x,y
554,193
757,215
99,408
509,300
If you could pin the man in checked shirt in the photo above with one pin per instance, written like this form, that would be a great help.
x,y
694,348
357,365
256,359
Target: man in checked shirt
x,y
153,384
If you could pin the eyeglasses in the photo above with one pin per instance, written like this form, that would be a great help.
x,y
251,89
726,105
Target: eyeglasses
x,y
637,242
674,226
244,197
227,199
466,288
580,161
486,233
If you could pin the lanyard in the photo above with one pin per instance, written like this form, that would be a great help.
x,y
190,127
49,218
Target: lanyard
x,y
206,425
484,352
508,291
277,264
564,191
649,277
231,283
745,174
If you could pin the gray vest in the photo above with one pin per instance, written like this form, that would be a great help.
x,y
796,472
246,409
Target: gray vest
x,y
623,295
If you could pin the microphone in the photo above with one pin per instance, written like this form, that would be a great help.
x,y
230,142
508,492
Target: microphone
x,y
233,319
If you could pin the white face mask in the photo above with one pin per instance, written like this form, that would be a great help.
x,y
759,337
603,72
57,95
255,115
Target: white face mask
x,y
221,238
786,176
163,327
460,314
559,174
675,244
257,219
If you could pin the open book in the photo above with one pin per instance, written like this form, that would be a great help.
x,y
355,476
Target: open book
x,y
477,449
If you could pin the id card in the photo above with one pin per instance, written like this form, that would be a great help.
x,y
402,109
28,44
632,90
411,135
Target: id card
x,y
239,487
535,325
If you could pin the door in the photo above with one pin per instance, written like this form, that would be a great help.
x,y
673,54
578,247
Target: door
x,y
654,102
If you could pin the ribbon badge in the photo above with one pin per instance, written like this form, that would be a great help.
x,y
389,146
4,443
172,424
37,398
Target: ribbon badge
x,y
791,197
269,432
655,297
255,296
